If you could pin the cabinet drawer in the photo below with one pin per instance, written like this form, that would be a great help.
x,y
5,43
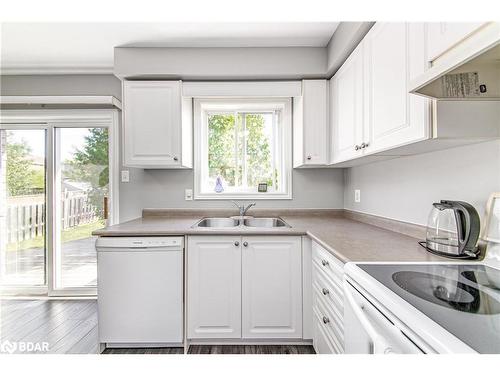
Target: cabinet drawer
x,y
325,341
330,293
322,343
331,266
336,320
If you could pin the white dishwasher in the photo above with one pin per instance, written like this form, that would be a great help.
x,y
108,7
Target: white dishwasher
x,y
140,291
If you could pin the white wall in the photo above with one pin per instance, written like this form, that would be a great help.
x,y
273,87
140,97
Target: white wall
x,y
312,188
405,188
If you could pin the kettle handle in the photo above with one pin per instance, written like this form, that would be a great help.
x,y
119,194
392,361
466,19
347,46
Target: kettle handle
x,y
468,225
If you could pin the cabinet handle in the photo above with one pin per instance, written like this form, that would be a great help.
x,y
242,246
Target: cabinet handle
x,y
326,320
324,262
325,291
245,243
357,147
176,158
236,243
309,157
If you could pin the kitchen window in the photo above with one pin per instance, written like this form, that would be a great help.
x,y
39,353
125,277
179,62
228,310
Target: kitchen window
x,y
243,148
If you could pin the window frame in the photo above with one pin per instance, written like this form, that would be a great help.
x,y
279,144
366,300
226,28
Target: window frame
x,y
203,106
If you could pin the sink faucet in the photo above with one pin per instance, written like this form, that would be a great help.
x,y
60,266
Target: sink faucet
x,y
242,209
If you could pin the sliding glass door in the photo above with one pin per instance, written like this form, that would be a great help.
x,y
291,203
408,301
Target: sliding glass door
x,y
23,209
55,189
82,191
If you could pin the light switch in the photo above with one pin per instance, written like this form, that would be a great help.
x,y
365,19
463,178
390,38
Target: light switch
x,y
357,196
125,176
188,194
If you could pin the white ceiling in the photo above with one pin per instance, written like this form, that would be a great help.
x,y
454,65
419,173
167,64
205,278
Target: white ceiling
x,y
31,48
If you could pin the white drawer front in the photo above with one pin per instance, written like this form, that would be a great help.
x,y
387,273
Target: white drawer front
x,y
335,324
330,293
324,341
333,268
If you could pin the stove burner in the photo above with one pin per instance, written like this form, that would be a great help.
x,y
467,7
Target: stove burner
x,y
442,291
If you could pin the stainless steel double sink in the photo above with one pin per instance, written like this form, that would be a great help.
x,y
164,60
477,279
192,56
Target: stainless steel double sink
x,y
230,222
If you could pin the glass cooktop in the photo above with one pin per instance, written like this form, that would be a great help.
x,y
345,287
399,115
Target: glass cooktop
x,y
464,299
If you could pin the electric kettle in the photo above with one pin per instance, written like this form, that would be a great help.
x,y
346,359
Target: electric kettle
x,y
453,229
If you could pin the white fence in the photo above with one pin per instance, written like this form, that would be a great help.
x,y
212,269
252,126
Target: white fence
x,y
26,217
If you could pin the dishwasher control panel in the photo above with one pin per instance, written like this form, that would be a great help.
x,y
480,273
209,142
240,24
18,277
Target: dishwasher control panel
x,y
139,242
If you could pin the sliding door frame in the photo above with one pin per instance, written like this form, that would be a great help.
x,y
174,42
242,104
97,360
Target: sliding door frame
x,y
51,119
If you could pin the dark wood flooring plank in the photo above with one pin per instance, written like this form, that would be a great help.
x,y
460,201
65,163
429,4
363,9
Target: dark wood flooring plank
x,y
251,349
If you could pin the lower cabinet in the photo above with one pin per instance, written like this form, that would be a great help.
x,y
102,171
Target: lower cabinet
x,y
244,287
328,301
271,287
214,287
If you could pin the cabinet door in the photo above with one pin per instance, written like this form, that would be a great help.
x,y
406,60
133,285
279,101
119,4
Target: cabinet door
x,y
315,132
392,52
152,123
271,287
214,287
441,36
346,108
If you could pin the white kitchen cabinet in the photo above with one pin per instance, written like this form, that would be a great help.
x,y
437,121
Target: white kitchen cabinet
x,y
214,287
394,53
346,108
271,287
244,287
157,125
371,109
441,36
328,301
310,124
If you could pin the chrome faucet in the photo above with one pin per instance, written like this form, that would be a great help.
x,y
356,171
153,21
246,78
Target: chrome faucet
x,y
242,209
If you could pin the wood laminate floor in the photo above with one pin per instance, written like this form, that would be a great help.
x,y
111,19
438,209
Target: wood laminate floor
x,y
70,326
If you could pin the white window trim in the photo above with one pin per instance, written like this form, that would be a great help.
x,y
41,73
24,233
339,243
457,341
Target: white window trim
x,y
260,103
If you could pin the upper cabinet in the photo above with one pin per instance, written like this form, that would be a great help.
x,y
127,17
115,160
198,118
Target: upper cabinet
x,y
394,53
371,109
441,36
310,124
346,108
157,125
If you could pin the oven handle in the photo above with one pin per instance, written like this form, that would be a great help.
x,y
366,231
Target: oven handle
x,y
380,345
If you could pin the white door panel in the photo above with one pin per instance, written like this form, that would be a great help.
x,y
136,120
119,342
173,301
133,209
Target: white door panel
x,y
214,287
272,287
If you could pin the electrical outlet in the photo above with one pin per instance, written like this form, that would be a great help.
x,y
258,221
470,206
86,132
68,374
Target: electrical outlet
x,y
125,176
357,196
188,194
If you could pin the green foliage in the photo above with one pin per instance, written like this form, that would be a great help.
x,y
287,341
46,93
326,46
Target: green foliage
x,y
22,177
226,143
90,164
221,136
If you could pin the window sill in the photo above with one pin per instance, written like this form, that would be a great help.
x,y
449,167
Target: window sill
x,y
253,196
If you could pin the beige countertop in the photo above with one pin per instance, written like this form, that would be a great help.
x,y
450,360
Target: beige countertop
x,y
347,239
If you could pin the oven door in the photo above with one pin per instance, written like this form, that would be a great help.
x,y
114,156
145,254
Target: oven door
x,y
368,331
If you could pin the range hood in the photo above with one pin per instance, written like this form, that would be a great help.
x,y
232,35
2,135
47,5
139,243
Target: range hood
x,y
468,71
